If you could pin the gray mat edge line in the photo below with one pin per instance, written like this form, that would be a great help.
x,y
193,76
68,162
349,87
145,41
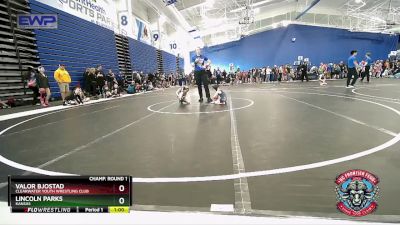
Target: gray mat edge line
x,y
270,213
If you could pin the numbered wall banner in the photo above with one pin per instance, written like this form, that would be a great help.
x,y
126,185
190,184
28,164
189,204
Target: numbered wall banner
x,y
156,38
170,44
173,47
127,25
100,12
143,32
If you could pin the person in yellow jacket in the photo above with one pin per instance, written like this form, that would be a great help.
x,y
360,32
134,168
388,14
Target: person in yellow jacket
x,y
63,79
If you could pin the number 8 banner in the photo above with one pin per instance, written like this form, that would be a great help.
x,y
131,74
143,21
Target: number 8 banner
x,y
126,25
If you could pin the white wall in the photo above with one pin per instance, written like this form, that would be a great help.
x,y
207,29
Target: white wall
x,y
170,32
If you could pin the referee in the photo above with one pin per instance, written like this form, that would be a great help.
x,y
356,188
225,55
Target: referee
x,y
200,63
352,65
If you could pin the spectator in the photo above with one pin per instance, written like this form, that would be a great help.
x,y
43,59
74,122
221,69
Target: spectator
x,y
110,79
304,72
280,73
150,86
120,81
86,83
342,70
30,77
92,83
63,79
181,79
101,81
268,71
151,77
131,88
224,75
44,86
336,71
218,74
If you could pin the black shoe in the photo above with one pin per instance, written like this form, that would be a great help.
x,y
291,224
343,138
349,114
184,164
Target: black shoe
x,y
209,100
64,103
201,100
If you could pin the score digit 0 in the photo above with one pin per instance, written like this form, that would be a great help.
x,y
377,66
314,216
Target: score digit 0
x,y
121,188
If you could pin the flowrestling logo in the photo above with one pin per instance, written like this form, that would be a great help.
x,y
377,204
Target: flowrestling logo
x,y
37,21
356,192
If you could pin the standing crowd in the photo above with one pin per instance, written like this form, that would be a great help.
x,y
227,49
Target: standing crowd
x,y
97,84
271,74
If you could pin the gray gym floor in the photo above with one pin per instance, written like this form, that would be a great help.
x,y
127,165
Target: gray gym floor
x,y
265,127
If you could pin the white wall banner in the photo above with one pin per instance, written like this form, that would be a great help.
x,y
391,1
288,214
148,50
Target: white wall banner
x,y
156,38
100,12
143,32
127,25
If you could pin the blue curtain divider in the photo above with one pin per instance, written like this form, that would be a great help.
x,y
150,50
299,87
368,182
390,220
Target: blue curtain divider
x,y
169,62
77,43
143,56
319,44
74,41
72,56
181,63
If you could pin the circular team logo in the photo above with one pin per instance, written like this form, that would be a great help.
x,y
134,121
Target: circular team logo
x,y
357,191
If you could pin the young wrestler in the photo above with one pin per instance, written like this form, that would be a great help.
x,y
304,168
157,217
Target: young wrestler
x,y
322,79
182,94
78,94
219,97
42,82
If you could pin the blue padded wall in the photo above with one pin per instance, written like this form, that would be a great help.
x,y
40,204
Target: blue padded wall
x,y
317,43
181,63
169,62
77,43
143,56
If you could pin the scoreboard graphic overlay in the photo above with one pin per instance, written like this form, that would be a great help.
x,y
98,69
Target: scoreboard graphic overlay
x,y
69,194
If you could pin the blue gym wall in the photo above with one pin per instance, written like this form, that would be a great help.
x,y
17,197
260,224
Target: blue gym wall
x,y
317,43
143,56
169,62
181,63
77,43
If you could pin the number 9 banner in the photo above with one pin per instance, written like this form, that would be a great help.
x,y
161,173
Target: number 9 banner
x,y
156,38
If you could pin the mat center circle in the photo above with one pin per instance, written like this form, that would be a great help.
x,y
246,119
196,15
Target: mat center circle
x,y
198,108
